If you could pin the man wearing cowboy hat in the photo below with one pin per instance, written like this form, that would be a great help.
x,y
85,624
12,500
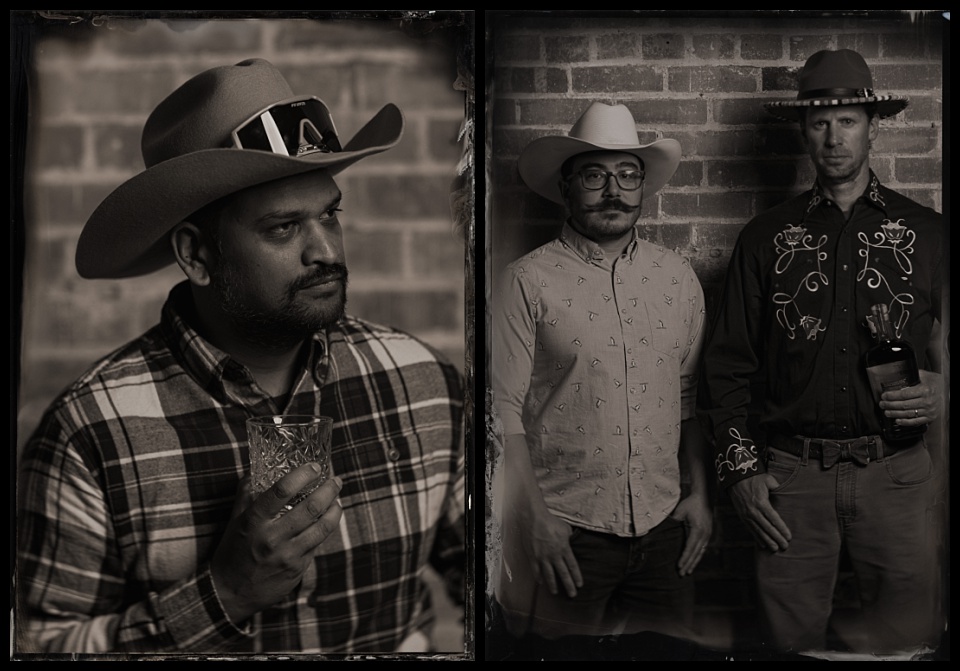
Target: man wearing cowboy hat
x,y
137,529
594,364
801,281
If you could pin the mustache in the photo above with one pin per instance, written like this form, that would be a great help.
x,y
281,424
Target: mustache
x,y
618,205
323,273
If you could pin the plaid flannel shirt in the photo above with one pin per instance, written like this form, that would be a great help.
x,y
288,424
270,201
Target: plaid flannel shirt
x,y
128,483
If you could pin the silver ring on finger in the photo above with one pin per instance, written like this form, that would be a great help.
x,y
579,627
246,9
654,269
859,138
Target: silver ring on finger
x,y
916,412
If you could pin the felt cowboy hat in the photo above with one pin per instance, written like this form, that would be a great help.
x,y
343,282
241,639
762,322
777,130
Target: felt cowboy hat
x,y
832,78
224,130
601,127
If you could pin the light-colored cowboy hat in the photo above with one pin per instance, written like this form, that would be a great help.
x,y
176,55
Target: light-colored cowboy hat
x,y
600,127
191,161
833,78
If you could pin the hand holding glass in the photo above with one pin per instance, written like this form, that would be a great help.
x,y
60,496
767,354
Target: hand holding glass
x,y
281,443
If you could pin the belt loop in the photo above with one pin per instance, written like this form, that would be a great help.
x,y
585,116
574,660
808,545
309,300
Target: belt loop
x,y
878,441
806,451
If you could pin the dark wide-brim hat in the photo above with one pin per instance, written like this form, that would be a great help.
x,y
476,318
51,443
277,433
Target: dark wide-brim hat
x,y
601,127
191,162
834,78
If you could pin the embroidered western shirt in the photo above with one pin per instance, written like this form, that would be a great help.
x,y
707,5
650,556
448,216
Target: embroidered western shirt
x,y
595,362
128,484
800,285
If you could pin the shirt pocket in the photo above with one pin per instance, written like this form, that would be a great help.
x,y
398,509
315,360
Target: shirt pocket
x,y
667,327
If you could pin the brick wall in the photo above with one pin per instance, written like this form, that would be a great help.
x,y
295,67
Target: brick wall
x,y
91,88
701,81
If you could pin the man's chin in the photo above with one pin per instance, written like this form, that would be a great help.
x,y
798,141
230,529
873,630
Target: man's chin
x,y
611,222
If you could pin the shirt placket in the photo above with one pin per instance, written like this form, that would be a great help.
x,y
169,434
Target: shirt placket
x,y
840,334
628,310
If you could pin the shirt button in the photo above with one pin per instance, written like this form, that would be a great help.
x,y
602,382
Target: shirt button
x,y
843,389
844,429
843,350
394,454
843,309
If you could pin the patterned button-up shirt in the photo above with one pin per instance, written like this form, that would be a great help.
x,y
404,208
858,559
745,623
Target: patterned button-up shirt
x,y
595,362
800,285
128,484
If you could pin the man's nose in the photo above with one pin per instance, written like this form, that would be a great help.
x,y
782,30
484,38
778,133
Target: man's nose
x,y
321,245
612,188
833,135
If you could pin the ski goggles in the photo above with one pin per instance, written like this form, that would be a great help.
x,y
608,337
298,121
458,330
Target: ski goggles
x,y
292,127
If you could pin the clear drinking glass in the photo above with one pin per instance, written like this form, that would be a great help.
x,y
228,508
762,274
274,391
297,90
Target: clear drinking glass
x,y
280,443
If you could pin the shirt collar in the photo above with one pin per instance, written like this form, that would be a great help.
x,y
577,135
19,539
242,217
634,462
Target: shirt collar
x,y
218,372
872,195
587,249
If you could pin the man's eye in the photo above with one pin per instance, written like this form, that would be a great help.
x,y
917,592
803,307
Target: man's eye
x,y
332,212
285,227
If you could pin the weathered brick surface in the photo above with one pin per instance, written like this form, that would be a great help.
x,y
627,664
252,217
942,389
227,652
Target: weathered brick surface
x,y
702,81
91,91
566,49
761,47
710,47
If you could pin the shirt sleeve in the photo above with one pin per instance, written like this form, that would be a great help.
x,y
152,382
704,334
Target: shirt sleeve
x,y
448,556
72,592
731,356
514,334
690,363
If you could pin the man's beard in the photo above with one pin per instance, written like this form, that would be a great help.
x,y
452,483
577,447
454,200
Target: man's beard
x,y
602,227
286,324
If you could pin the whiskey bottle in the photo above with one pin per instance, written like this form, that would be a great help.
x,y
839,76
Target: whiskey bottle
x,y
891,364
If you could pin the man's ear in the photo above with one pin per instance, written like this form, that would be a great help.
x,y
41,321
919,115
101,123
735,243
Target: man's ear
x,y
191,252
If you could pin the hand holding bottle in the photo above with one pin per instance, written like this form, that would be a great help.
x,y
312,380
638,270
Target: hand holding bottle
x,y
893,373
918,405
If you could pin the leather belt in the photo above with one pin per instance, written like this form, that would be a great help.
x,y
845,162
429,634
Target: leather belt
x,y
860,450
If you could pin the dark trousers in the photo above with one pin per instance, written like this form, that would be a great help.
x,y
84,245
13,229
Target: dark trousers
x,y
881,512
630,585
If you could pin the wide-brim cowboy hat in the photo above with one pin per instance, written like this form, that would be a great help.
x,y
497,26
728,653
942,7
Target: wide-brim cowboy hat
x,y
191,162
601,127
835,78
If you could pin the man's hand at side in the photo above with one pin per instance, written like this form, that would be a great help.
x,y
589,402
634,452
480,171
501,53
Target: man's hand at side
x,y
263,555
697,517
751,499
547,542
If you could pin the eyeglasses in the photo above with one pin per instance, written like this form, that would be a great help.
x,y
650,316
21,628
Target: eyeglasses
x,y
293,127
594,179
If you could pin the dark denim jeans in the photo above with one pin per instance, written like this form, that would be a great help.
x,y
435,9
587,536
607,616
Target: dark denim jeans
x,y
630,585
881,513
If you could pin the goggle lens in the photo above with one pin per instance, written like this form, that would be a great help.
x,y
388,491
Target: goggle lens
x,y
291,128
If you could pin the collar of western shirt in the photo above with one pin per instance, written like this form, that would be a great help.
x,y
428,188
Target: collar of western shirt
x,y
872,195
587,249
209,365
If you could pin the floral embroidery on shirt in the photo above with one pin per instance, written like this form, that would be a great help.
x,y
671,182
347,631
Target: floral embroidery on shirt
x,y
899,240
740,455
790,243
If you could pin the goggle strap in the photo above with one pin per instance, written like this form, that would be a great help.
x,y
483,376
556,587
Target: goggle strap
x,y
273,134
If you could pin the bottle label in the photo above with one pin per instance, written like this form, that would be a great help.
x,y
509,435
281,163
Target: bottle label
x,y
888,377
